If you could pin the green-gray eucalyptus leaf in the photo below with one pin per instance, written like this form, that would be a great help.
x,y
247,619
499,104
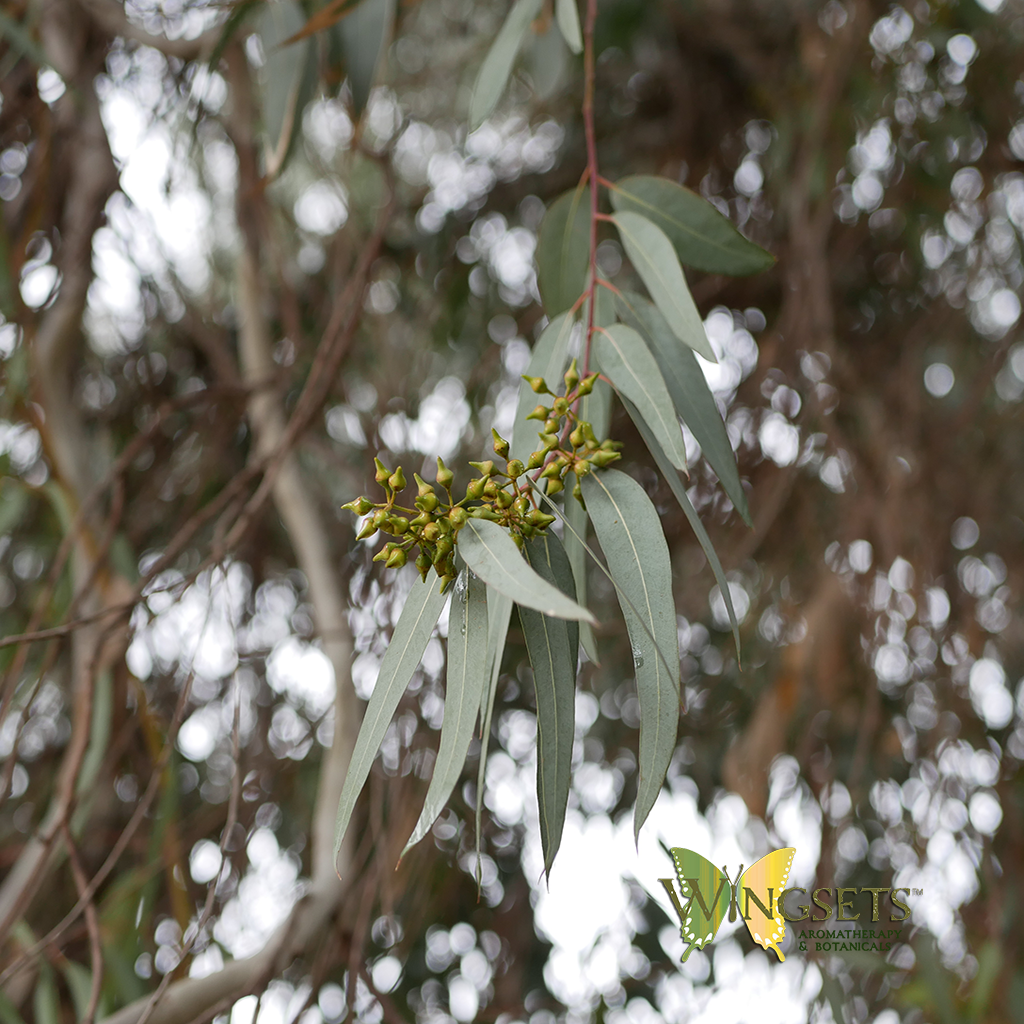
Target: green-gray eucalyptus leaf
x,y
628,364
492,554
563,251
596,409
364,35
654,259
499,611
568,17
497,66
464,687
281,77
701,236
679,490
628,527
409,640
552,645
576,516
689,390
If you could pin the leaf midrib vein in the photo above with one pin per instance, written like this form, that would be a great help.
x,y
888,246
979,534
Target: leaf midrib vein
x,y
647,601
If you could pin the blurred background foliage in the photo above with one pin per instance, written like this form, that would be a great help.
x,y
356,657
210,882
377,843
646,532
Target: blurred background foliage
x,y
232,271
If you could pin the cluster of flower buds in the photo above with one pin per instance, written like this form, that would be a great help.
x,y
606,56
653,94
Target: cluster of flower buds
x,y
568,443
502,496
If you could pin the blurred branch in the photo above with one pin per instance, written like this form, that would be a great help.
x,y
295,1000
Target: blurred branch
x,y
53,352
275,441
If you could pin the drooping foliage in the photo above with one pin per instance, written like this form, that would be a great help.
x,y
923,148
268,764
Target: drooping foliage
x,y
247,250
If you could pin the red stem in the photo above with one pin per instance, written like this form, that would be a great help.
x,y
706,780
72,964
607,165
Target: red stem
x,y
588,128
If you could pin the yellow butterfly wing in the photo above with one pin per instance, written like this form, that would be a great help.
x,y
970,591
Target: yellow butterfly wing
x,y
771,872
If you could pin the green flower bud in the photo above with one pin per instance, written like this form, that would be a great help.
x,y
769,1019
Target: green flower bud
x,y
541,412
368,530
399,525
587,384
551,426
528,531
582,468
536,460
521,505
385,552
490,490
539,519
503,499
550,441
431,532
427,503
500,445
483,512
554,486
519,541
577,493
422,487
572,376
397,559
475,489
457,516
445,476
397,480
360,506
588,433
383,473
538,385
421,520
515,469
560,406
551,470
445,547
577,437
604,458
423,564
484,468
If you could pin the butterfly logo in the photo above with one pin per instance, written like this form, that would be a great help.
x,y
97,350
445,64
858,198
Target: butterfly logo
x,y
702,907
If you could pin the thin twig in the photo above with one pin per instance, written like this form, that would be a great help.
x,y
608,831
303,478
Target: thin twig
x,y
225,838
139,815
91,924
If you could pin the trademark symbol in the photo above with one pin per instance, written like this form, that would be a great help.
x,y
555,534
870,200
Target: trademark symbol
x,y
918,892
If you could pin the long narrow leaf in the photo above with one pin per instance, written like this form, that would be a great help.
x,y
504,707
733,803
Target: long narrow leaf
x,y
633,371
556,510
563,251
497,65
548,360
466,679
676,486
568,17
596,409
628,527
689,390
415,624
552,645
499,611
489,551
365,35
655,260
576,516
702,237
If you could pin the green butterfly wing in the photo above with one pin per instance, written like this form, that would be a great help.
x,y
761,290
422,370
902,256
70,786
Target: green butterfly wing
x,y
706,897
